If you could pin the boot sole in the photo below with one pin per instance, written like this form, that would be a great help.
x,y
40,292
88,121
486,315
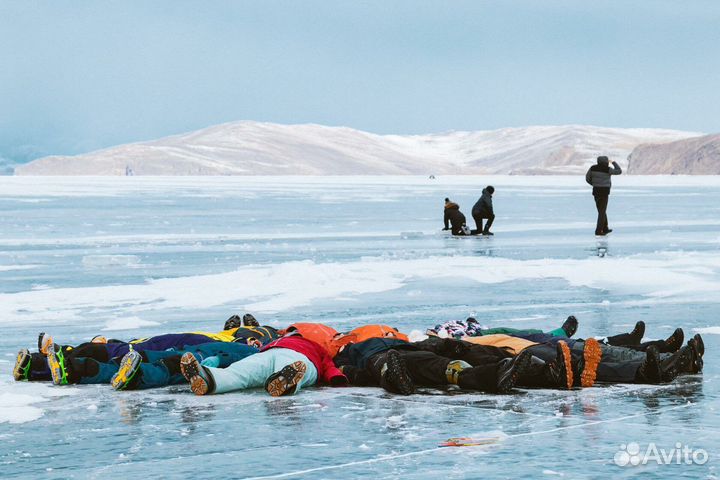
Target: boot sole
x,y
398,375
20,371
567,361
127,371
592,355
287,380
522,361
56,370
192,371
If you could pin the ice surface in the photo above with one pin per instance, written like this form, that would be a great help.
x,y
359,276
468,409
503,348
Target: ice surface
x,y
131,257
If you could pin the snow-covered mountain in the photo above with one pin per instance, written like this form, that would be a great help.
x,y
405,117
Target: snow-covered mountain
x,y
696,156
253,148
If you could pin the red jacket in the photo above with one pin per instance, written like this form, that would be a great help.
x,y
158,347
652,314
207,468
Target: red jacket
x,y
327,371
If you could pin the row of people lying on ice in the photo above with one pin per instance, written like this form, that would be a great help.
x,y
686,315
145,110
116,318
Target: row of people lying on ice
x,y
454,220
246,355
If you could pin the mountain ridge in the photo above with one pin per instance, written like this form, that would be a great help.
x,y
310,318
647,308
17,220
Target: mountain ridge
x,y
263,148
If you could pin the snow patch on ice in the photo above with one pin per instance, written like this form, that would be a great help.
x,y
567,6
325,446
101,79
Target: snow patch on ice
x,y
111,261
128,323
7,268
708,330
281,287
18,400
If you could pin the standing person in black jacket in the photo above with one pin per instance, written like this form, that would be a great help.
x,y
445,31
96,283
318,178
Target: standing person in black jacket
x,y
483,208
454,217
599,177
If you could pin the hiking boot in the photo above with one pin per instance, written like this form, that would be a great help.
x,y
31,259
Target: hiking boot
x,y
681,361
21,371
509,370
394,375
570,326
249,321
487,232
43,341
631,339
592,354
286,380
674,341
200,379
609,230
649,371
560,369
56,363
638,332
697,362
699,345
125,378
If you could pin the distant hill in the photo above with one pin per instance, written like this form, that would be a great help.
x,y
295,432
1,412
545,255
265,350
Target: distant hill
x,y
692,156
253,148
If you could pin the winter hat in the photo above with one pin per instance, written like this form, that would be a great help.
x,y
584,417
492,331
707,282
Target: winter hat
x,y
490,189
447,200
602,159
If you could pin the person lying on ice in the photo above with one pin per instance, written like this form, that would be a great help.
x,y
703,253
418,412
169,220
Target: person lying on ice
x,y
615,364
332,340
154,369
398,366
472,328
67,364
282,367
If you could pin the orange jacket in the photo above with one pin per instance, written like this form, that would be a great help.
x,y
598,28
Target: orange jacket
x,y
367,332
321,334
332,341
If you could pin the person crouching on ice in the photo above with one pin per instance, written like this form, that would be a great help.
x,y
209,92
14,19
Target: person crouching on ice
x,y
482,209
282,367
453,216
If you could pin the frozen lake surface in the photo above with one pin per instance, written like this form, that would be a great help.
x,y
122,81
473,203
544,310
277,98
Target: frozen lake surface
x,y
132,257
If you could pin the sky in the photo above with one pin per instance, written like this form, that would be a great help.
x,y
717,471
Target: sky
x,y
80,75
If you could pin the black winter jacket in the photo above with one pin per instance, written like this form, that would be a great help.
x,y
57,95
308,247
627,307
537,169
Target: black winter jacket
x,y
484,205
455,217
358,354
599,177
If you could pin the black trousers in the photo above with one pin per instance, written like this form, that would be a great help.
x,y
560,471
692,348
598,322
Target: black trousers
x,y
425,368
479,221
429,370
601,203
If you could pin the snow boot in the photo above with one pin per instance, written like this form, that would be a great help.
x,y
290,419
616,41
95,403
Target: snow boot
x,y
394,375
129,373
201,382
286,380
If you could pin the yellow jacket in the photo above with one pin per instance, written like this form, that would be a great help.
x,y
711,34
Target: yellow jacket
x,y
511,344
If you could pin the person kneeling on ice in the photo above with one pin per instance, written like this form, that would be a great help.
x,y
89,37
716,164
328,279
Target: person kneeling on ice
x,y
282,367
455,218
482,209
